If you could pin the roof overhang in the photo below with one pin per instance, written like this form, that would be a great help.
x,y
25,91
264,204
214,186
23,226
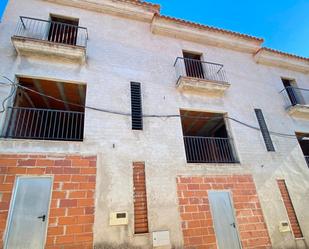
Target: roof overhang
x,y
275,58
124,8
203,34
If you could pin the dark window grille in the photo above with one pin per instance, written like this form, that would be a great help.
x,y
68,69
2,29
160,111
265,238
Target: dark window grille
x,y
209,150
136,106
44,124
264,130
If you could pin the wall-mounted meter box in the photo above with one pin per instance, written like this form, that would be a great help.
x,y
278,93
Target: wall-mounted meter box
x,y
118,218
284,226
161,239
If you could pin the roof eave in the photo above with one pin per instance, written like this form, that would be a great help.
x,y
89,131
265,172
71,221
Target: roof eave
x,y
136,10
280,59
203,34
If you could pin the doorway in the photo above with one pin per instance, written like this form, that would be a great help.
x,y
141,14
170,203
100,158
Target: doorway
x,y
224,220
28,215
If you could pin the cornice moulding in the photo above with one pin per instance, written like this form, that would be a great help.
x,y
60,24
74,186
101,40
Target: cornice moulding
x,y
278,59
141,12
163,26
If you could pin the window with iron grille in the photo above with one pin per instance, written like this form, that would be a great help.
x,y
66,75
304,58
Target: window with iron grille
x,y
46,110
264,130
206,138
136,106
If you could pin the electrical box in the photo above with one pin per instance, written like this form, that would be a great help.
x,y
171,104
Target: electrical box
x,y
118,218
284,226
161,238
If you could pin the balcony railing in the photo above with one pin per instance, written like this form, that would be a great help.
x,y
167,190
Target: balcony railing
x,y
307,160
44,124
295,96
199,69
209,150
51,31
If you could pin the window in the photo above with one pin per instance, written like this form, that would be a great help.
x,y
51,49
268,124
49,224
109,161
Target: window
x,y
36,114
290,209
264,130
63,30
136,106
206,138
303,140
193,65
292,91
140,198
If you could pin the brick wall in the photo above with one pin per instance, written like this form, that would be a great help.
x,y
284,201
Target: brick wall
x,y
290,209
71,214
197,224
140,198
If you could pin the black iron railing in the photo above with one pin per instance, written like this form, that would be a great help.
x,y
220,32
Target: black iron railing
x,y
51,31
295,96
307,160
209,150
200,69
43,124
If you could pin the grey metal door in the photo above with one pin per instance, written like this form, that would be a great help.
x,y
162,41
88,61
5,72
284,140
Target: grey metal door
x,y
224,220
28,213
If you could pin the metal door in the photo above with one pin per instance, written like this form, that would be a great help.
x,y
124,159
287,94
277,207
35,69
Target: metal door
x,y
224,220
28,213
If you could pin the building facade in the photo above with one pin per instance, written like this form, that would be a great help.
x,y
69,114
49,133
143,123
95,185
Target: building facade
x,y
123,128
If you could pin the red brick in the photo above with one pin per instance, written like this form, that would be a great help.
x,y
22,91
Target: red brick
x,y
68,220
68,203
36,171
79,178
88,171
74,229
85,219
56,230
26,162
15,170
62,163
85,202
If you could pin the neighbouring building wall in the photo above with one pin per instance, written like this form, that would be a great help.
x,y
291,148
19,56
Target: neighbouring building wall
x,y
119,51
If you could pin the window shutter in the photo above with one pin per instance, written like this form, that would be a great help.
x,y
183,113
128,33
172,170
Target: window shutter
x,y
264,130
136,106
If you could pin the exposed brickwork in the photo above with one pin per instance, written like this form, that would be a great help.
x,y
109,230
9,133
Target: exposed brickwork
x,y
71,214
140,198
290,209
197,223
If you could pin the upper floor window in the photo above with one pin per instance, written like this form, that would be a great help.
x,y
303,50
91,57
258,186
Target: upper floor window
x,y
303,140
206,138
46,110
293,92
63,30
193,73
193,65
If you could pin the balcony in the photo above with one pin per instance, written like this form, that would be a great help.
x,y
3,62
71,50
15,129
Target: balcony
x,y
201,76
209,150
43,124
50,38
296,101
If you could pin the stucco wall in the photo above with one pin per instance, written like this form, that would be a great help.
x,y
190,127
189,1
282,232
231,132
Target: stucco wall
x,y
121,50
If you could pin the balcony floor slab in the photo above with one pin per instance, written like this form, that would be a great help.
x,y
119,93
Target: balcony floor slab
x,y
299,111
210,87
28,46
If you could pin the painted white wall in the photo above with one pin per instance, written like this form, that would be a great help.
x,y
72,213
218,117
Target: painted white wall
x,y
121,50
